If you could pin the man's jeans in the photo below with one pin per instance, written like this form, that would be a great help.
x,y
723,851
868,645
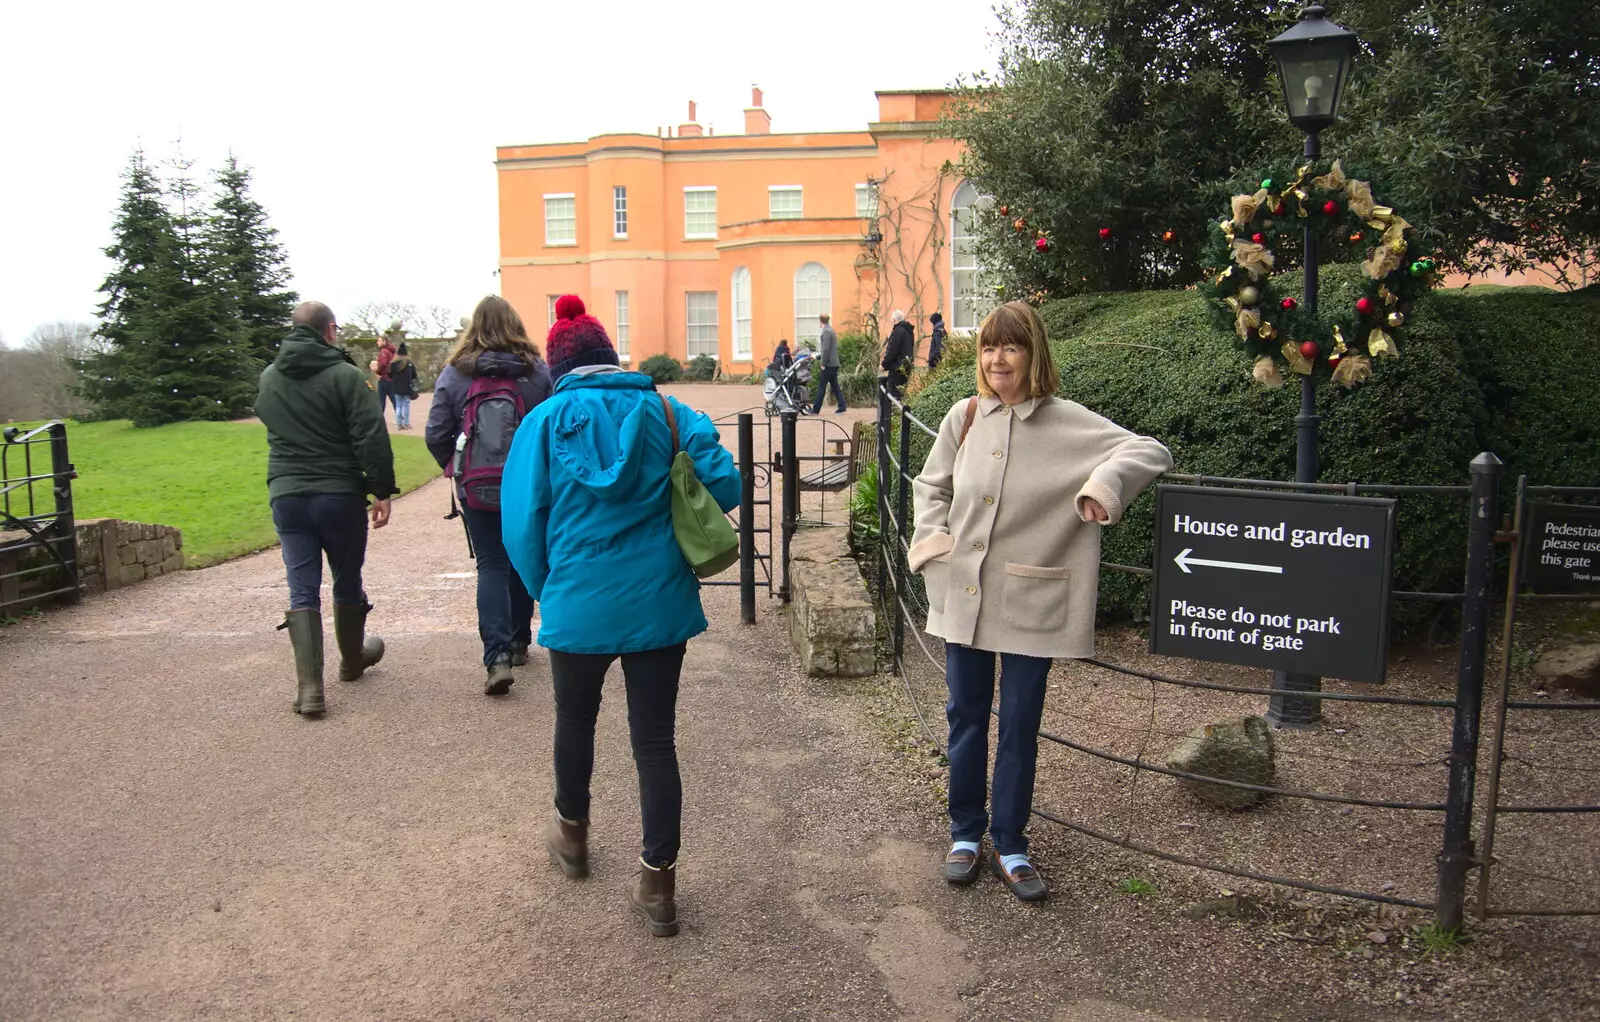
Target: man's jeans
x,y
385,393
830,378
310,525
505,610
970,676
652,684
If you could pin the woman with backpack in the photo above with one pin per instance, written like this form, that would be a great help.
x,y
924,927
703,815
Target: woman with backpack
x,y
493,378
588,522
403,386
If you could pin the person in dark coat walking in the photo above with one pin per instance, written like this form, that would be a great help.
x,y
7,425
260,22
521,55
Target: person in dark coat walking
x,y
327,448
898,353
936,344
495,344
829,356
403,386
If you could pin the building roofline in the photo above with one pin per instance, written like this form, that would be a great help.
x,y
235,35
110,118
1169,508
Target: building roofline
x,y
917,92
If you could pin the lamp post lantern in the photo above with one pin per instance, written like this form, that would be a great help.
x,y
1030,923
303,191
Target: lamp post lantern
x,y
1314,59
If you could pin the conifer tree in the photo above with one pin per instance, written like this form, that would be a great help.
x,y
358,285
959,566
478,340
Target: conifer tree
x,y
249,262
174,345
113,379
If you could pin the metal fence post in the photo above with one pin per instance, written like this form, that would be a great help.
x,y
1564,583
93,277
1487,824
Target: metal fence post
x,y
791,494
65,527
1502,697
747,519
903,453
1457,855
883,466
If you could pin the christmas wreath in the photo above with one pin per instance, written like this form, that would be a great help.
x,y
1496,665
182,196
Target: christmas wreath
x,y
1350,224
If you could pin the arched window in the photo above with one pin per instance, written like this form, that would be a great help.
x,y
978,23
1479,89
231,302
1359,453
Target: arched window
x,y
813,296
741,314
967,302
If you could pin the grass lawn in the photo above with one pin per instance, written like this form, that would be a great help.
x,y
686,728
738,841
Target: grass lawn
x,y
207,478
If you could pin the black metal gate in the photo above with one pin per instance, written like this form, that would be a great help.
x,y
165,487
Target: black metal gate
x,y
38,537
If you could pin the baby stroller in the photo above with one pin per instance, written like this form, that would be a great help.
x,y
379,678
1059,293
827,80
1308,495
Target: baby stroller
x,y
788,388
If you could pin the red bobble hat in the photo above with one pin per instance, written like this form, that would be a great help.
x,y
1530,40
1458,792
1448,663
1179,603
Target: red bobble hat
x,y
576,339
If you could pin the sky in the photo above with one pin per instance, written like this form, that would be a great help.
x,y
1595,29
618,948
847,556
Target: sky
x,y
370,128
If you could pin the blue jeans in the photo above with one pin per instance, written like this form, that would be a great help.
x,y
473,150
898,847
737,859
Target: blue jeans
x,y
830,378
505,610
310,525
970,676
402,411
385,393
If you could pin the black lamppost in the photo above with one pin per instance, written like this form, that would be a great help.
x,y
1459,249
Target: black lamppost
x,y
1314,59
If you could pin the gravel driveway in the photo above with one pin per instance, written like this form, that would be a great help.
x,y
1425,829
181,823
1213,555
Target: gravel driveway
x,y
176,844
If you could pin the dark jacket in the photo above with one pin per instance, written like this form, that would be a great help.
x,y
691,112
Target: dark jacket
x,y
403,374
829,344
936,346
901,349
782,357
325,430
450,396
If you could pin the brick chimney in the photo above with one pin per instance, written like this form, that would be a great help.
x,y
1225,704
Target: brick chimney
x,y
690,129
756,120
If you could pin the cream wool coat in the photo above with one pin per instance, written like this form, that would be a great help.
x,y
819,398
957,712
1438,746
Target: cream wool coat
x,y
1010,564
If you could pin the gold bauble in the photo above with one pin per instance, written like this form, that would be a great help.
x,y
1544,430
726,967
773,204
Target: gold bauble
x,y
1249,295
1267,331
1396,319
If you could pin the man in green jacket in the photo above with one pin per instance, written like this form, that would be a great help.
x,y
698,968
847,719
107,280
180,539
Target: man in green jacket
x,y
327,449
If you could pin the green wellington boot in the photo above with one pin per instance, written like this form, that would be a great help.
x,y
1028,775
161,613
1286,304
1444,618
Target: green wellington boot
x,y
305,633
357,651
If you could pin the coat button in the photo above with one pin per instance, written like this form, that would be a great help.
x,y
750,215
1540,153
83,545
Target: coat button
x,y
977,546
972,590
999,454
988,500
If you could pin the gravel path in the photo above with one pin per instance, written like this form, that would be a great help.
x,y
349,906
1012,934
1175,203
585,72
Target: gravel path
x,y
176,844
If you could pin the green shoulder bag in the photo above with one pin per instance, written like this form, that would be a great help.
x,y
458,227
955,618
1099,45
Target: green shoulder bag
x,y
704,533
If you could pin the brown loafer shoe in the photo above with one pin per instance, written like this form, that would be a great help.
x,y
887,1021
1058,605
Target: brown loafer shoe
x,y
1024,881
961,867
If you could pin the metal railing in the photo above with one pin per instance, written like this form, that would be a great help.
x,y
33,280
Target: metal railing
x,y
36,514
1456,855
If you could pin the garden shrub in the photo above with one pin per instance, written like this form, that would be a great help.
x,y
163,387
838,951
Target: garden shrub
x,y
1482,370
702,369
662,368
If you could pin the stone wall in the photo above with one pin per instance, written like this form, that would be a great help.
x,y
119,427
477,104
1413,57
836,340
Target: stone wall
x,y
831,617
111,554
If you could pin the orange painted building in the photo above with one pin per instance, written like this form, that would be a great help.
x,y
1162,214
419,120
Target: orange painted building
x,y
693,244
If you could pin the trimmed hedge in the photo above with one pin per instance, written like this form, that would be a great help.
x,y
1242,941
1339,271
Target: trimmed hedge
x,y
1484,368
662,368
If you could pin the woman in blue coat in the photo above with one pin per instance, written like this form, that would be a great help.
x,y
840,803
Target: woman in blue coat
x,y
586,513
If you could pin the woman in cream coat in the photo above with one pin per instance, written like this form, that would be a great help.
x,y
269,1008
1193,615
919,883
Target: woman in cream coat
x,y
1009,509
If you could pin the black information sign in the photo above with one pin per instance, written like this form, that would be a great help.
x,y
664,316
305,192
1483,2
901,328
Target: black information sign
x,y
1286,581
1561,547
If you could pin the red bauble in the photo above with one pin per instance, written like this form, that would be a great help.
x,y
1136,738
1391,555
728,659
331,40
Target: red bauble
x,y
1277,210
1259,238
1331,208
1043,244
1168,236
1105,233
1005,210
1308,349
1364,306
1289,304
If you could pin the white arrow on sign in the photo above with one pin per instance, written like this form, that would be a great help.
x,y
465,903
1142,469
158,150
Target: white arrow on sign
x,y
1184,560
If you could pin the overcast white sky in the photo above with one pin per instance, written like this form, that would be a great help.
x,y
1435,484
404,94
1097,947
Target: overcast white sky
x,y
370,128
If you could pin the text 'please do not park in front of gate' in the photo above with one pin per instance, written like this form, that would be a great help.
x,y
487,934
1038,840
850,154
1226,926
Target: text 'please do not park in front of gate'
x,y
1284,581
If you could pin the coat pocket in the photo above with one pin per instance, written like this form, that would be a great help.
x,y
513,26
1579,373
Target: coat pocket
x,y
1036,597
936,579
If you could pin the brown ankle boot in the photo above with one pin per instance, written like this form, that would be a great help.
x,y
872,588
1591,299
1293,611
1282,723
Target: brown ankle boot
x,y
568,841
654,898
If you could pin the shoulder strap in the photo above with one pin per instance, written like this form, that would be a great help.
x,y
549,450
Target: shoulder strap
x,y
672,422
972,414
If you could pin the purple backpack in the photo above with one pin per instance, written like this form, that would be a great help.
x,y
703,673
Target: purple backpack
x,y
489,421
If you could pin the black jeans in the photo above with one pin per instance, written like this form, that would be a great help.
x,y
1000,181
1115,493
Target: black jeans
x,y
896,383
310,525
505,610
652,682
385,393
830,378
